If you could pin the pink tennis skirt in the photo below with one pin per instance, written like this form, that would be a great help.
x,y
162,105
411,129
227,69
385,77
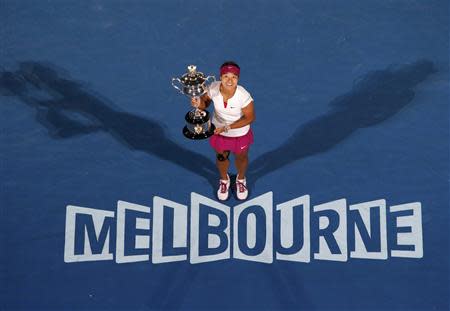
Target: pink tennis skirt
x,y
234,144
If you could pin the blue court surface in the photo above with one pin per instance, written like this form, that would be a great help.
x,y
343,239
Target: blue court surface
x,y
352,113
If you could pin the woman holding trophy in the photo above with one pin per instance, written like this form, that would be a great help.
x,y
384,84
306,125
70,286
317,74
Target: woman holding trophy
x,y
233,114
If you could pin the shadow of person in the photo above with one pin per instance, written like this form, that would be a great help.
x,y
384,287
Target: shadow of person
x,y
64,97
375,98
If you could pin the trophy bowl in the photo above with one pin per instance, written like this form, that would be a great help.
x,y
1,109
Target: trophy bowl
x,y
195,84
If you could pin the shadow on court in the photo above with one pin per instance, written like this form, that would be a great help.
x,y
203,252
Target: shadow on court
x,y
64,98
375,98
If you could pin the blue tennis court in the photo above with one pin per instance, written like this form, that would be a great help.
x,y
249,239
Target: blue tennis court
x,y
352,107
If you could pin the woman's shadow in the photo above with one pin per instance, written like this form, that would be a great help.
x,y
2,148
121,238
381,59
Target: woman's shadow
x,y
65,98
375,98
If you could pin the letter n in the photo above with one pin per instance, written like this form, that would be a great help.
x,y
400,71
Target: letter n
x,y
370,237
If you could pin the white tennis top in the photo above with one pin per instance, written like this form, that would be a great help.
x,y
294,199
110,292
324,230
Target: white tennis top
x,y
233,110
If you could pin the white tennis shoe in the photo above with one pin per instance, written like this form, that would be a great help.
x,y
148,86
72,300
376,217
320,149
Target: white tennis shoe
x,y
224,189
241,189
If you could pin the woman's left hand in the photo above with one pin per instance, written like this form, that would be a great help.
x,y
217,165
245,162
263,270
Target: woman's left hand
x,y
219,130
222,129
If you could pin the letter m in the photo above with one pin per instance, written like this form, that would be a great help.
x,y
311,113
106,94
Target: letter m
x,y
88,234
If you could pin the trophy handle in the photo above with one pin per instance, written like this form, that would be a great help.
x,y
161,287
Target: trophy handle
x,y
210,77
177,86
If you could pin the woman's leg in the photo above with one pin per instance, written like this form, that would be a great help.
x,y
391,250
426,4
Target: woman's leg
x,y
241,162
223,163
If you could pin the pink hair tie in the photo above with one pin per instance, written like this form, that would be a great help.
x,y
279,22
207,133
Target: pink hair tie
x,y
229,68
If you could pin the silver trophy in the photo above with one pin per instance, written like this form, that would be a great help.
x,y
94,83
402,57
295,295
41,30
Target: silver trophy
x,y
195,84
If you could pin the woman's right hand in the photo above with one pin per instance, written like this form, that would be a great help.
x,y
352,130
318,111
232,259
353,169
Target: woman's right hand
x,y
195,102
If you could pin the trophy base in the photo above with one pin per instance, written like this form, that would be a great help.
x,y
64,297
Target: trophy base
x,y
194,136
